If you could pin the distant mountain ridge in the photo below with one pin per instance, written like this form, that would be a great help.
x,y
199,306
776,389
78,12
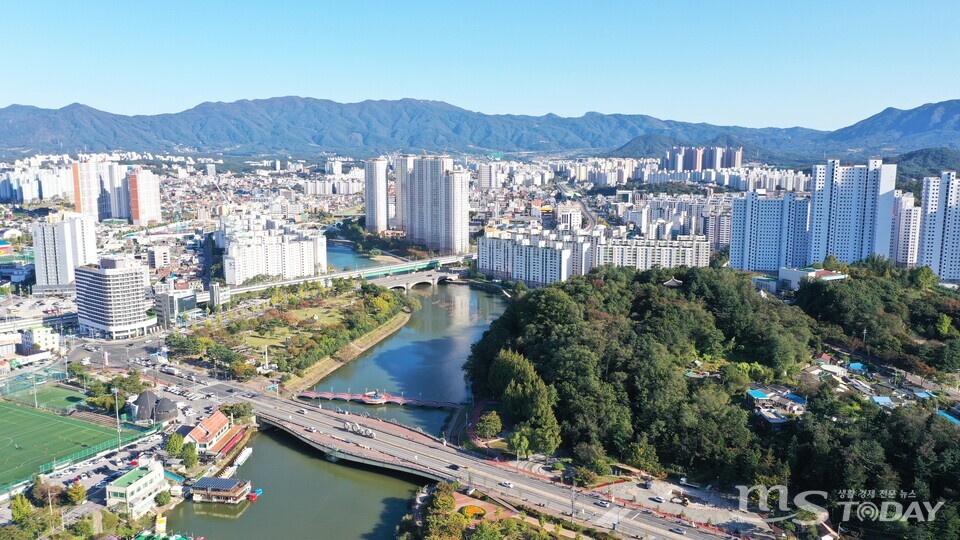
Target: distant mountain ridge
x,y
301,126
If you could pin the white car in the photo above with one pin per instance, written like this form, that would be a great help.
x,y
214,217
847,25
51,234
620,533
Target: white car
x,y
603,504
506,484
658,499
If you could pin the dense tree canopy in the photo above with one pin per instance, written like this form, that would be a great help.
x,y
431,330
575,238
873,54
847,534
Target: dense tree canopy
x,y
609,353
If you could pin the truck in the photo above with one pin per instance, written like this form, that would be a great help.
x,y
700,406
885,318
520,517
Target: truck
x,y
170,370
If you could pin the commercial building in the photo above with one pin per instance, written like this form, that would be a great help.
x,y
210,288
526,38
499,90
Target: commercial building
x,y
40,338
214,435
375,194
133,493
112,299
851,211
174,305
63,242
940,227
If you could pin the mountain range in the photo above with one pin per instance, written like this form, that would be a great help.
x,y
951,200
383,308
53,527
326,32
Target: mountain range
x,y
306,126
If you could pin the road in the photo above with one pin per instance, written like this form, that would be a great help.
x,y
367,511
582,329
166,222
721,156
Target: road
x,y
491,477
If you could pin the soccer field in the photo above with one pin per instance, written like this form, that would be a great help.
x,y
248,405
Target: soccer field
x,y
50,395
30,438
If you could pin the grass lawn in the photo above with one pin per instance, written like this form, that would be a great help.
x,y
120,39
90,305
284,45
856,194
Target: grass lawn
x,y
52,396
276,339
325,315
30,438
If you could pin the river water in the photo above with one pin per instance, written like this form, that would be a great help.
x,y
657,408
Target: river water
x,y
306,496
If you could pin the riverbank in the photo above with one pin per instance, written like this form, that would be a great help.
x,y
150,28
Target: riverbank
x,y
344,355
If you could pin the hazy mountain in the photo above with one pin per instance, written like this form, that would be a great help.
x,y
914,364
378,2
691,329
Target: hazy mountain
x,y
308,126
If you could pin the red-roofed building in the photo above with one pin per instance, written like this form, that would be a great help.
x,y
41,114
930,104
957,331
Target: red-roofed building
x,y
209,432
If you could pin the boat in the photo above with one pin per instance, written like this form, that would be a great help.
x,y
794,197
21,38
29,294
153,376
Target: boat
x,y
244,455
258,492
252,497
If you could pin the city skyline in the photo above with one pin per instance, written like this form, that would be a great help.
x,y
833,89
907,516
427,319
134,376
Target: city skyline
x,y
569,59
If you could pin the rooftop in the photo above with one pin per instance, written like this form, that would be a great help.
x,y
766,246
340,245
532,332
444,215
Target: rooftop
x,y
756,394
131,477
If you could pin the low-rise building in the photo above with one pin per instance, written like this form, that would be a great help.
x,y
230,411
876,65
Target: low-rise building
x,y
220,490
133,492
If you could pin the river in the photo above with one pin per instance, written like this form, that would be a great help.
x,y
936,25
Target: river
x,y
306,496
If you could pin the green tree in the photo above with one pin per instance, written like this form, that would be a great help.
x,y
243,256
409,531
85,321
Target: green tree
x,y
21,508
489,425
83,527
76,493
174,445
241,370
77,370
189,456
162,498
518,443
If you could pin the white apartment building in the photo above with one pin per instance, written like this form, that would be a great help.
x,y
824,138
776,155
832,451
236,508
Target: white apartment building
x,y
63,242
158,257
538,257
940,226
112,299
647,253
851,210
489,176
906,230
518,257
144,189
402,169
439,208
375,194
768,233
255,246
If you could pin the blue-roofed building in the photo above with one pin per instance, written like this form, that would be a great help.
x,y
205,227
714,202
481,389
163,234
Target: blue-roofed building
x,y
923,395
948,417
857,367
796,399
755,396
883,401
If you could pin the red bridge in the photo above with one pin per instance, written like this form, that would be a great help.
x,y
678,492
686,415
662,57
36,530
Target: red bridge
x,y
379,398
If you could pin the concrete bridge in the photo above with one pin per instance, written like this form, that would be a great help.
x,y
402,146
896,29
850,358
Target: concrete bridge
x,y
408,281
369,274
379,398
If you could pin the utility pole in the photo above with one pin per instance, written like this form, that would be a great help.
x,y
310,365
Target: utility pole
x,y
116,409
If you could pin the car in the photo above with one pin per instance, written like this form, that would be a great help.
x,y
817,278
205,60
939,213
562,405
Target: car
x,y
302,411
603,504
506,484
453,467
678,530
658,499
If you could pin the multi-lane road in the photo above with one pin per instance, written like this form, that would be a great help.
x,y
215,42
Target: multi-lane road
x,y
451,462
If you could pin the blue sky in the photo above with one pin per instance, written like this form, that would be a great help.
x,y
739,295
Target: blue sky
x,y
820,64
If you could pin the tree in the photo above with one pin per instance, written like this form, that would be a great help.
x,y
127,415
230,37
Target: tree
x,y
518,443
162,498
241,370
174,445
489,425
76,493
189,456
238,410
83,527
21,509
77,370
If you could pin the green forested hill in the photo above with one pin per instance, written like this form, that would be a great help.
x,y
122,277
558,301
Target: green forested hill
x,y
597,366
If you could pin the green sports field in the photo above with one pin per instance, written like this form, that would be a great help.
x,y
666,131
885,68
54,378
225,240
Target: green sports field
x,y
50,395
30,438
